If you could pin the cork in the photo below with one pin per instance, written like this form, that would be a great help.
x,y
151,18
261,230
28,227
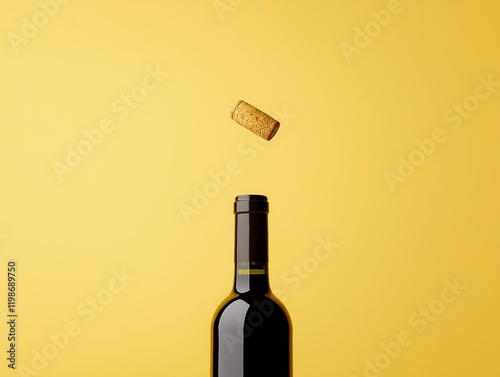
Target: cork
x,y
255,120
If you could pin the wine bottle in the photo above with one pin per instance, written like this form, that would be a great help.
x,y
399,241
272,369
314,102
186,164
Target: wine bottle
x,y
251,329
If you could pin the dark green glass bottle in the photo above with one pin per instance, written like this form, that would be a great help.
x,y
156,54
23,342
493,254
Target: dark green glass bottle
x,y
251,328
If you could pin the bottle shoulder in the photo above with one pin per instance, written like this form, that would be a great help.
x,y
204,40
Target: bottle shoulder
x,y
246,303
279,304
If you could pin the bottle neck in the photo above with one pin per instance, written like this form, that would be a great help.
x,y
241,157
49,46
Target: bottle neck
x,y
251,253
251,277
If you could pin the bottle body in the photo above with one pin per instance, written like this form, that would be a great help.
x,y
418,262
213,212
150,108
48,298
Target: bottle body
x,y
251,329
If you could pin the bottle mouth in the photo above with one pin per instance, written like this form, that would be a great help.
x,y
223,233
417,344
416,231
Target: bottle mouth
x,y
251,204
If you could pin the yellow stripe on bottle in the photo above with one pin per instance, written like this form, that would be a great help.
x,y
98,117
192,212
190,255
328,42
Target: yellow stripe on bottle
x,y
254,271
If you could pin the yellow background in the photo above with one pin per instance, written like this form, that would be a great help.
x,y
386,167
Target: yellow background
x,y
323,173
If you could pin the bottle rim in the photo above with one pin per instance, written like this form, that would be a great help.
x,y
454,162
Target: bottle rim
x,y
251,204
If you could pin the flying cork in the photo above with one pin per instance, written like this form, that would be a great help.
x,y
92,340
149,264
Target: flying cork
x,y
255,120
